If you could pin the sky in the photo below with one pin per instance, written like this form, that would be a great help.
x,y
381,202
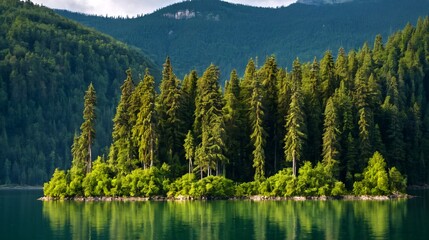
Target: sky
x,y
136,7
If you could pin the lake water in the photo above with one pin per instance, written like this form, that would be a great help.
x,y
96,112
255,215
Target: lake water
x,y
23,217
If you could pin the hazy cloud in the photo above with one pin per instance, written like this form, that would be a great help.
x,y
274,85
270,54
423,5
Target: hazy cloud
x,y
135,7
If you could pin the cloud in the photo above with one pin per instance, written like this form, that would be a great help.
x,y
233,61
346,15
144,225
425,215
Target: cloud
x,y
135,7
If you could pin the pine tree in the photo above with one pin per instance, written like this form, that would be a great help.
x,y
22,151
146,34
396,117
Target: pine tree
x,y
189,91
313,108
145,132
295,125
331,134
268,76
208,125
327,75
120,151
170,109
233,119
189,147
88,126
258,135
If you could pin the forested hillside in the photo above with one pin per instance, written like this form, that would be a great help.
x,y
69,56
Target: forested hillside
x,y
350,123
46,62
197,33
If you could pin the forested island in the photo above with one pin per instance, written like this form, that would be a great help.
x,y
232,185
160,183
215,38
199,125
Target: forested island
x,y
325,128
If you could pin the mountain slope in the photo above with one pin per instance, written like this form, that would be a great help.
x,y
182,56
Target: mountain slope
x,y
46,63
197,33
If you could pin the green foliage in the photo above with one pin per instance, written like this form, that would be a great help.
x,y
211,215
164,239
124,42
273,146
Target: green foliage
x,y
46,62
377,181
182,186
247,189
291,34
398,183
282,184
213,187
57,186
143,183
318,181
99,181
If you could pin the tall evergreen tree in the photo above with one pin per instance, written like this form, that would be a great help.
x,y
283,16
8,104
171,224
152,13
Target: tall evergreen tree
x,y
327,75
268,76
313,109
208,123
295,125
120,151
331,134
88,126
145,132
258,135
170,111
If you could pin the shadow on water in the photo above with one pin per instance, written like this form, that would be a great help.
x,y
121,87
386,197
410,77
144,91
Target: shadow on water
x,y
239,219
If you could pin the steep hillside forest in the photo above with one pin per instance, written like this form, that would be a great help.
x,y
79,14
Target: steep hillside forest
x,y
337,124
199,32
46,62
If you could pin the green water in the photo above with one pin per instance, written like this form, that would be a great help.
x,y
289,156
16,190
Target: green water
x,y
23,217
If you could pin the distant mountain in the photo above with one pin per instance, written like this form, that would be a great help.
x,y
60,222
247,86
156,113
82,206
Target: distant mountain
x,y
197,33
46,64
320,2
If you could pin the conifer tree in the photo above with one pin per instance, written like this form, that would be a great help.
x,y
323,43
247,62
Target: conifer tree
x,y
233,119
88,126
208,124
189,147
295,133
258,135
313,109
170,111
145,132
331,136
327,75
189,91
268,76
120,151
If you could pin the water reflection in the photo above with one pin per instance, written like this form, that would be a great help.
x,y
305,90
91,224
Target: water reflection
x,y
226,219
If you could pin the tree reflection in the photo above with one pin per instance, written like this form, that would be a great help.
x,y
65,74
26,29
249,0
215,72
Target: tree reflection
x,y
226,219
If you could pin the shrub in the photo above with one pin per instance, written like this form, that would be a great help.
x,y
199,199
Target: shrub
x,y
182,186
397,182
376,180
318,181
213,186
143,183
246,189
99,181
57,186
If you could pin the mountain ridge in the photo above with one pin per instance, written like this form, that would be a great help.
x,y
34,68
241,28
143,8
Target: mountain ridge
x,y
229,34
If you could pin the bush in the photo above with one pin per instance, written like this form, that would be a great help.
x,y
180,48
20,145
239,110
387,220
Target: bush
x,y
246,189
397,182
279,185
57,186
318,181
376,181
99,181
182,186
143,183
213,186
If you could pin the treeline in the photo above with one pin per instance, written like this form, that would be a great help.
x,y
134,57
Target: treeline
x,y
46,62
353,123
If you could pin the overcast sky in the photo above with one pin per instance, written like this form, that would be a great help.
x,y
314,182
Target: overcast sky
x,y
134,7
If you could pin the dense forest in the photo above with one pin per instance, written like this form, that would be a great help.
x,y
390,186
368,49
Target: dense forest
x,y
46,62
325,127
227,35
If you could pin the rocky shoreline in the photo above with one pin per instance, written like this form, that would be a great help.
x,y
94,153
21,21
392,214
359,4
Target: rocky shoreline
x,y
250,198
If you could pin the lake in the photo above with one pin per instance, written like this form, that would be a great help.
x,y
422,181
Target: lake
x,y
24,217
